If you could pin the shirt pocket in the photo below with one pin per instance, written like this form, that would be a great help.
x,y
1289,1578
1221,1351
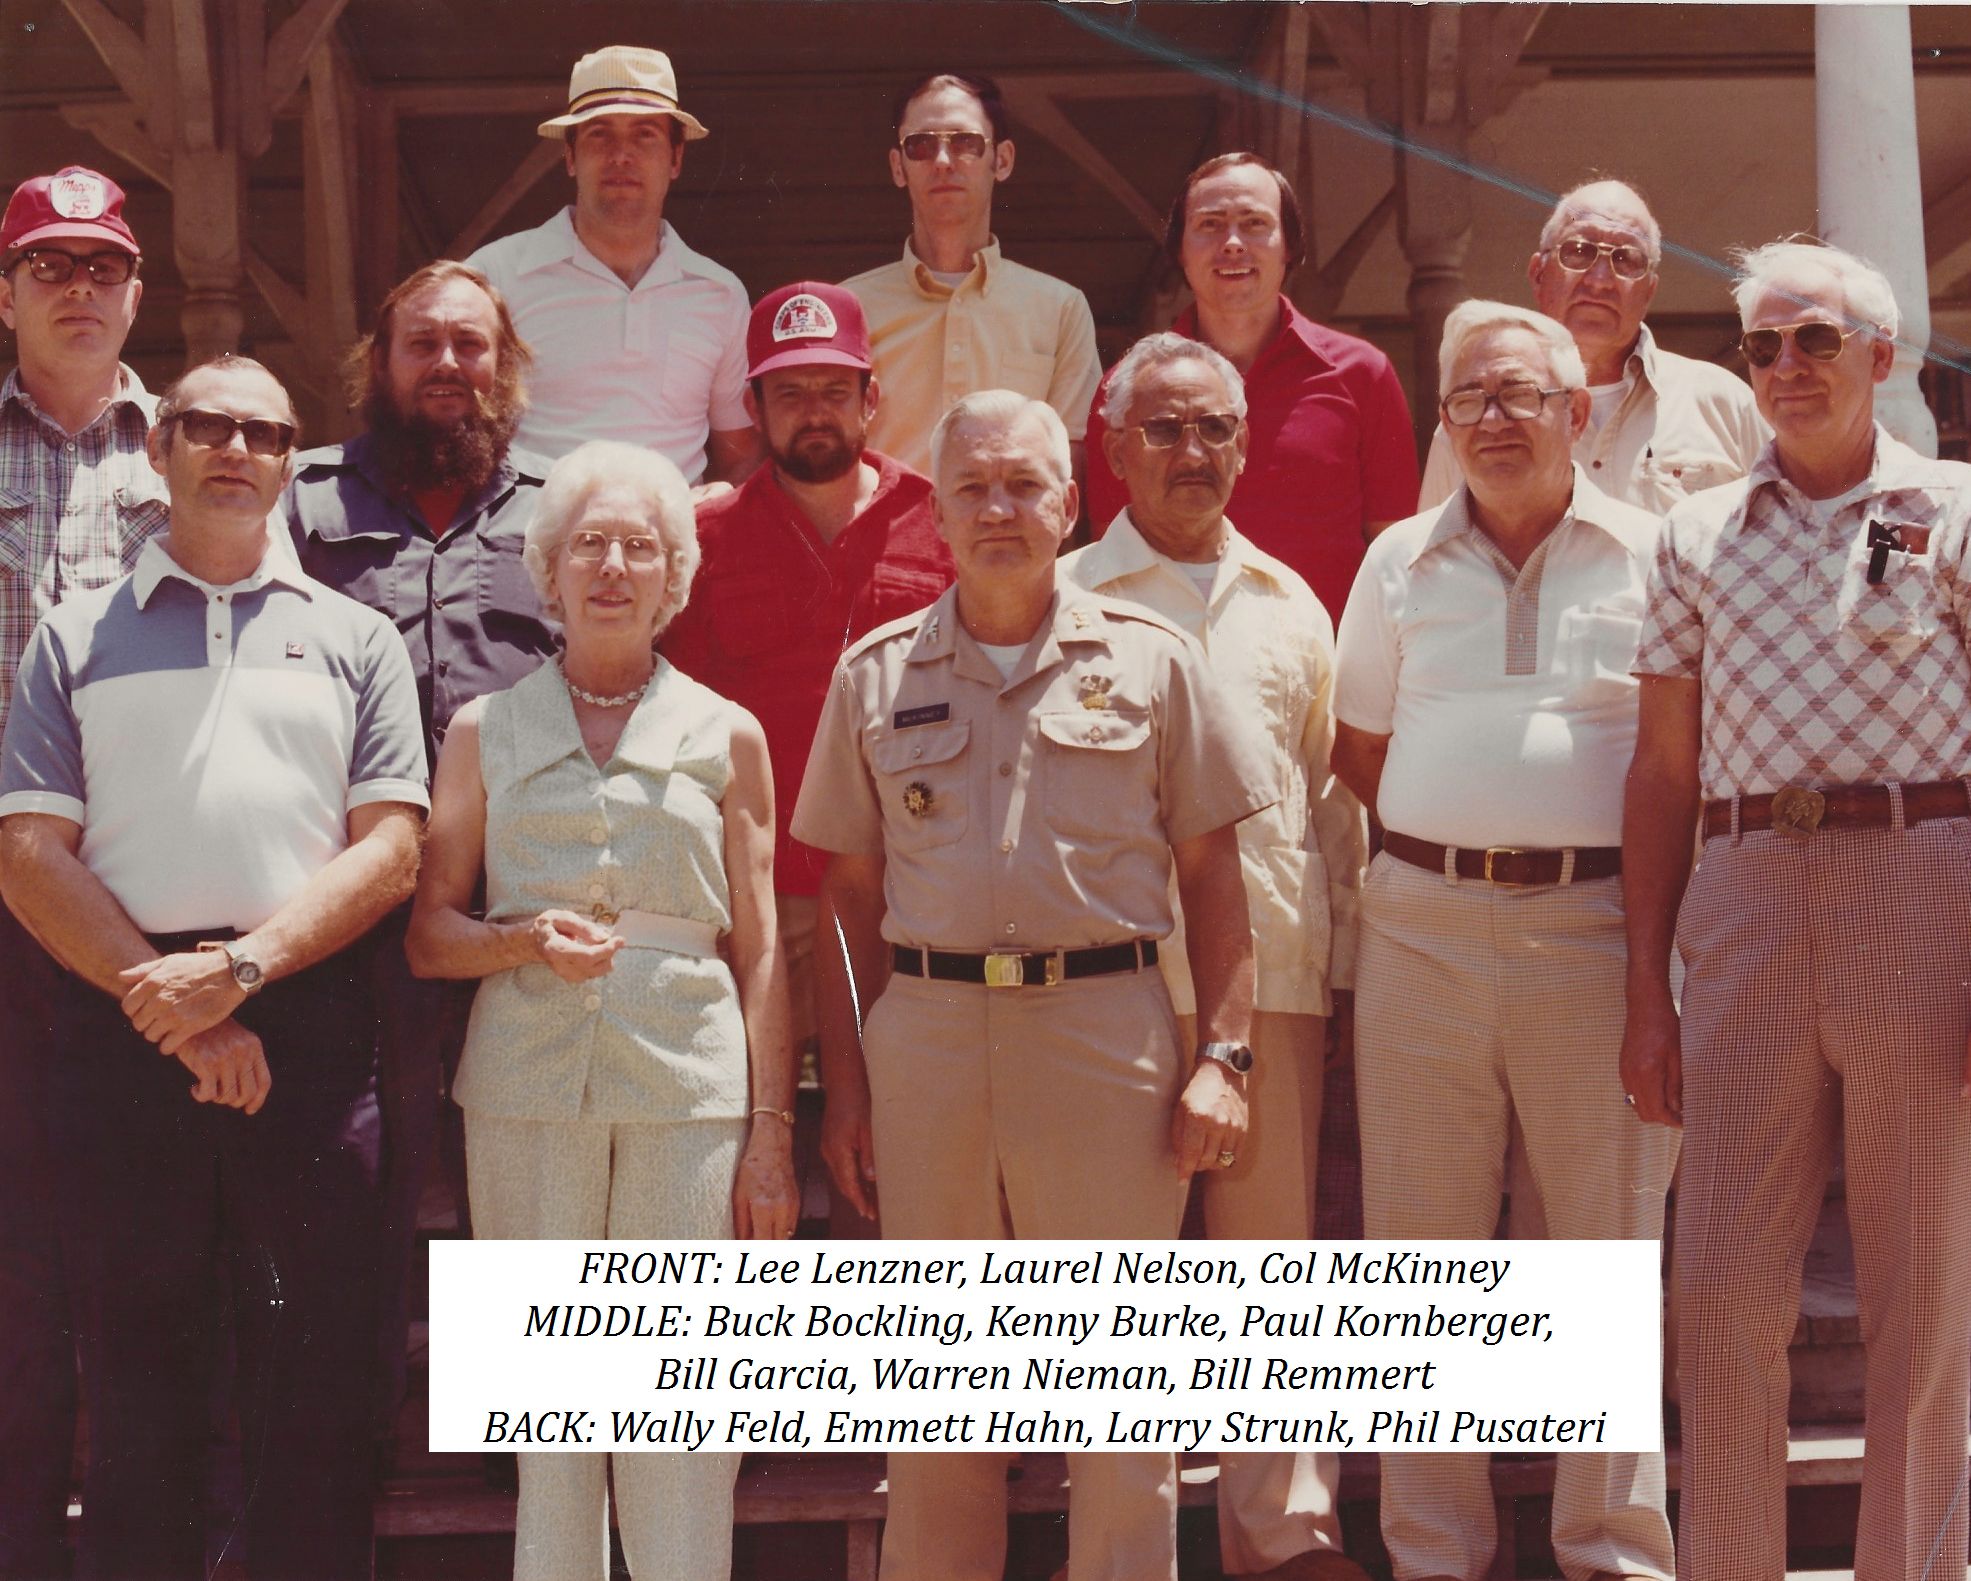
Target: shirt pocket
x,y
895,592
358,565
687,364
1675,475
1026,372
921,777
1897,616
1598,652
142,512
1099,777
14,513
506,588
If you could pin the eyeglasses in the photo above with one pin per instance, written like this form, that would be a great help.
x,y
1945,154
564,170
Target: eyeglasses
x,y
1166,433
1816,338
922,147
1577,255
638,548
52,266
264,436
1517,402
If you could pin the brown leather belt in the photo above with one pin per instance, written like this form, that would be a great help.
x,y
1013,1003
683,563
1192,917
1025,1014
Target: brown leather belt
x,y
1506,864
1799,811
1025,968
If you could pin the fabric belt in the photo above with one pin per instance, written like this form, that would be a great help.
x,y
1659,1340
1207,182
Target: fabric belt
x,y
1508,864
1025,968
652,930
1796,810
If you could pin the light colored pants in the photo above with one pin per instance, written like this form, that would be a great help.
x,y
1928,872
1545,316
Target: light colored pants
x,y
1031,1113
1474,1001
583,1180
1825,1001
1272,1506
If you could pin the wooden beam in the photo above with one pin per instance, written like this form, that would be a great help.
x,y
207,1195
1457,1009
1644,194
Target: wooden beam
x,y
542,158
120,45
1292,82
328,145
289,305
191,55
118,127
1345,28
377,164
1038,112
243,40
1330,283
293,46
1947,238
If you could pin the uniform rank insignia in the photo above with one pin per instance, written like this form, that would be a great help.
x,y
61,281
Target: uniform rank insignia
x,y
296,651
917,799
1095,691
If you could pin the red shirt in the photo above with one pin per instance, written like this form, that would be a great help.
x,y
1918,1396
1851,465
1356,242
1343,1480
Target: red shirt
x,y
1332,450
773,608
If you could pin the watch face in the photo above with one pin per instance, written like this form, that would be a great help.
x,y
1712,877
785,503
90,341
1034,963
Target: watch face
x,y
246,973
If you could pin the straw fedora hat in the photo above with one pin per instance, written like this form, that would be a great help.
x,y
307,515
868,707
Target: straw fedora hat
x,y
622,79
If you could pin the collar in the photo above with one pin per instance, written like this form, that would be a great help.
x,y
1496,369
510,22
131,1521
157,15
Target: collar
x,y
1589,506
1123,551
359,455
547,731
1295,328
928,284
1643,359
130,393
154,564
1073,617
1893,467
556,242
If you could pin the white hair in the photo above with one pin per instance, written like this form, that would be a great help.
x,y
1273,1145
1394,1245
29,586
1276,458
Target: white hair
x,y
1005,407
1160,351
1471,319
659,484
1867,298
1579,201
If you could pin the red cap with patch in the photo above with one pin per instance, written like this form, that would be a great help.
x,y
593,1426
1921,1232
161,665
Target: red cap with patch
x,y
75,203
804,324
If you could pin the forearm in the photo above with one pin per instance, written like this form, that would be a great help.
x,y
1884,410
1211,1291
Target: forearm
x,y
444,942
1341,834
1659,827
1218,939
342,901
69,910
772,1070
852,968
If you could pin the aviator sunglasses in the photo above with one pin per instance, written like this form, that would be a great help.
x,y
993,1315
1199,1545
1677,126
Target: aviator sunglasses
x,y
1577,255
1815,338
264,436
922,147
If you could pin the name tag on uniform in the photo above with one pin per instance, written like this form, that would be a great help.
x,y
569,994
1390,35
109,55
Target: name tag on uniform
x,y
929,714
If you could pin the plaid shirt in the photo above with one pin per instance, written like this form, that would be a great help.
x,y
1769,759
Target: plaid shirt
x,y
1813,675
74,508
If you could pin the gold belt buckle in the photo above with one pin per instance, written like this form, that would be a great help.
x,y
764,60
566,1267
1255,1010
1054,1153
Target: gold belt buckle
x,y
1005,971
1492,851
1798,811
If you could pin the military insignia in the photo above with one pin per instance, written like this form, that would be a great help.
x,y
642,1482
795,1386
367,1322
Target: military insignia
x,y
917,799
1095,691
931,628
1080,617
296,650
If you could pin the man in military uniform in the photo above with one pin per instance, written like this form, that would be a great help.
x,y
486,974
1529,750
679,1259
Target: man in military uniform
x,y
1005,782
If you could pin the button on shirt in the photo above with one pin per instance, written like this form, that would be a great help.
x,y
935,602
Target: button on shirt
x,y
659,363
1683,426
462,600
211,741
773,607
1331,450
1811,675
1271,645
1507,694
1034,812
75,509
1003,327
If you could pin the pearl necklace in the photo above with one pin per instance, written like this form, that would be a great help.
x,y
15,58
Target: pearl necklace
x,y
602,702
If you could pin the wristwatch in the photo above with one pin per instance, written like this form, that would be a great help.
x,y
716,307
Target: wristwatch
x,y
247,975
1235,1057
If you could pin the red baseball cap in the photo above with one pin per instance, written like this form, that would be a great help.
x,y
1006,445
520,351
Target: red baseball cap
x,y
807,323
75,202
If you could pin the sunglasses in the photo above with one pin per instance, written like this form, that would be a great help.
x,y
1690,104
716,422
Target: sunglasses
x,y
638,548
1518,402
1167,433
922,147
52,266
1577,255
1816,339
264,436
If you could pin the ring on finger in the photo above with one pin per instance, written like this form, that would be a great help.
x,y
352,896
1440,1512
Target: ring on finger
x,y
1227,1158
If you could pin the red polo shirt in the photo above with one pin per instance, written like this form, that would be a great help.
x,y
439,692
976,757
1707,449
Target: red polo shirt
x,y
1332,449
773,607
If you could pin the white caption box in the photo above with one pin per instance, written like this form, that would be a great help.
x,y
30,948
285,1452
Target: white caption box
x,y
1104,1345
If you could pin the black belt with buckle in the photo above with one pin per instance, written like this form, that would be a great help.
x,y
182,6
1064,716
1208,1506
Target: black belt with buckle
x,y
1025,968
1507,864
1799,811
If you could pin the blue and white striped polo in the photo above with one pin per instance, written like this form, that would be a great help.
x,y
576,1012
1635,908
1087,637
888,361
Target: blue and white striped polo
x,y
211,740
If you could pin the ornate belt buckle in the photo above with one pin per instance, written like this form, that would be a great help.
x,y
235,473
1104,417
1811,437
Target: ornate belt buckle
x,y
1798,811
1005,970
1494,851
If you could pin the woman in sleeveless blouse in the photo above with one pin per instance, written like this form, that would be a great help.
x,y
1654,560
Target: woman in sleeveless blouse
x,y
620,1078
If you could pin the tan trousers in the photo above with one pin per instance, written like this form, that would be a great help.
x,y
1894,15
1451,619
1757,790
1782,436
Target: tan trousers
x,y
1030,1113
580,1180
1826,1001
1273,1506
1474,1001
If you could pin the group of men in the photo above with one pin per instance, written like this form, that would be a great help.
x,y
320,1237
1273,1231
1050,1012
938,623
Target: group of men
x,y
1072,851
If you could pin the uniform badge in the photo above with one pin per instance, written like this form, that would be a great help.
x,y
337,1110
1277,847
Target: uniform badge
x,y
1080,617
917,799
931,628
1095,691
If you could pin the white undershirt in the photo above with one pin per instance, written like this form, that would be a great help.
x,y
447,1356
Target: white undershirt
x,y
951,277
1824,511
1608,400
1004,656
1201,574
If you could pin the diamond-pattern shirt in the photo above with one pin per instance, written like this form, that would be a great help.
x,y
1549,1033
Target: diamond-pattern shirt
x,y
1812,675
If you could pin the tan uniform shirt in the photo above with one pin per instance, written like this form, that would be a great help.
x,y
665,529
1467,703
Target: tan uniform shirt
x,y
1685,425
1003,327
1036,812
1271,648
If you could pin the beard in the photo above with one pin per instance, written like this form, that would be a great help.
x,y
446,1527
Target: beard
x,y
420,452
818,466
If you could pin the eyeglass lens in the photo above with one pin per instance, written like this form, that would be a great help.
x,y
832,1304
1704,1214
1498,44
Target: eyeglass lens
x,y
52,266
1464,408
1577,254
922,147
264,437
1214,428
638,548
1821,341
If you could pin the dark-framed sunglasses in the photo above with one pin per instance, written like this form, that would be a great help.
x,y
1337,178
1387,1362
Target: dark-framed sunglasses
x,y
921,148
1167,433
52,266
1577,255
1816,338
264,436
1518,402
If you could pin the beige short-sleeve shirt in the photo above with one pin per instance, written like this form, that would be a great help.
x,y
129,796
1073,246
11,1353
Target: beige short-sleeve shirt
x,y
1034,812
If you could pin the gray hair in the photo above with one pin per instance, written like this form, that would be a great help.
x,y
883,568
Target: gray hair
x,y
1160,351
1007,407
577,475
1578,201
1867,298
1471,319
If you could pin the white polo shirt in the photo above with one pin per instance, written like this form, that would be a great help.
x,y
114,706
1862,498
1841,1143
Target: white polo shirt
x,y
211,740
659,363
1507,695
